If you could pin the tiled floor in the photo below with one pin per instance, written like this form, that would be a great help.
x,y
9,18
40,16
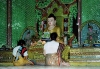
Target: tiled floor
x,y
45,67
10,66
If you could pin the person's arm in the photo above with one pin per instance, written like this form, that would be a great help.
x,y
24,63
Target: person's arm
x,y
25,55
44,49
44,52
59,35
58,32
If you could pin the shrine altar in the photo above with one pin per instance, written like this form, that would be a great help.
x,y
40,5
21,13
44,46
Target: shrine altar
x,y
77,56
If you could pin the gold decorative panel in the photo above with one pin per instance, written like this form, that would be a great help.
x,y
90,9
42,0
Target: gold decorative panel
x,y
6,56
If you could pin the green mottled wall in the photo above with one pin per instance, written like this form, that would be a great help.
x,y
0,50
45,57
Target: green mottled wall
x,y
3,21
90,10
24,15
90,14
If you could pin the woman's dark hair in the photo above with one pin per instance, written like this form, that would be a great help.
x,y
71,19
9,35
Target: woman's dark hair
x,y
21,42
53,36
52,15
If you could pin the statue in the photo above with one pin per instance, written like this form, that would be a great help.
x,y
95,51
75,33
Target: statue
x,y
91,35
52,27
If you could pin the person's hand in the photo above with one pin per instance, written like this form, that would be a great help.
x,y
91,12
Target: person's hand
x,y
25,57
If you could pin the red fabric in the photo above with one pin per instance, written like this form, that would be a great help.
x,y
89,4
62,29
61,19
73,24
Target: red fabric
x,y
23,50
59,51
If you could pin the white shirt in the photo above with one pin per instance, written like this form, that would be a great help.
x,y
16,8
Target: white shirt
x,y
15,51
51,47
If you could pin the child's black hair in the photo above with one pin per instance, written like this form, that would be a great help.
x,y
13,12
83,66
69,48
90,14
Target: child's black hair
x,y
21,42
53,36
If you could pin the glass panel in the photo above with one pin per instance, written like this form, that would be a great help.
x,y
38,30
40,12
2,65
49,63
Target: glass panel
x,y
90,33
